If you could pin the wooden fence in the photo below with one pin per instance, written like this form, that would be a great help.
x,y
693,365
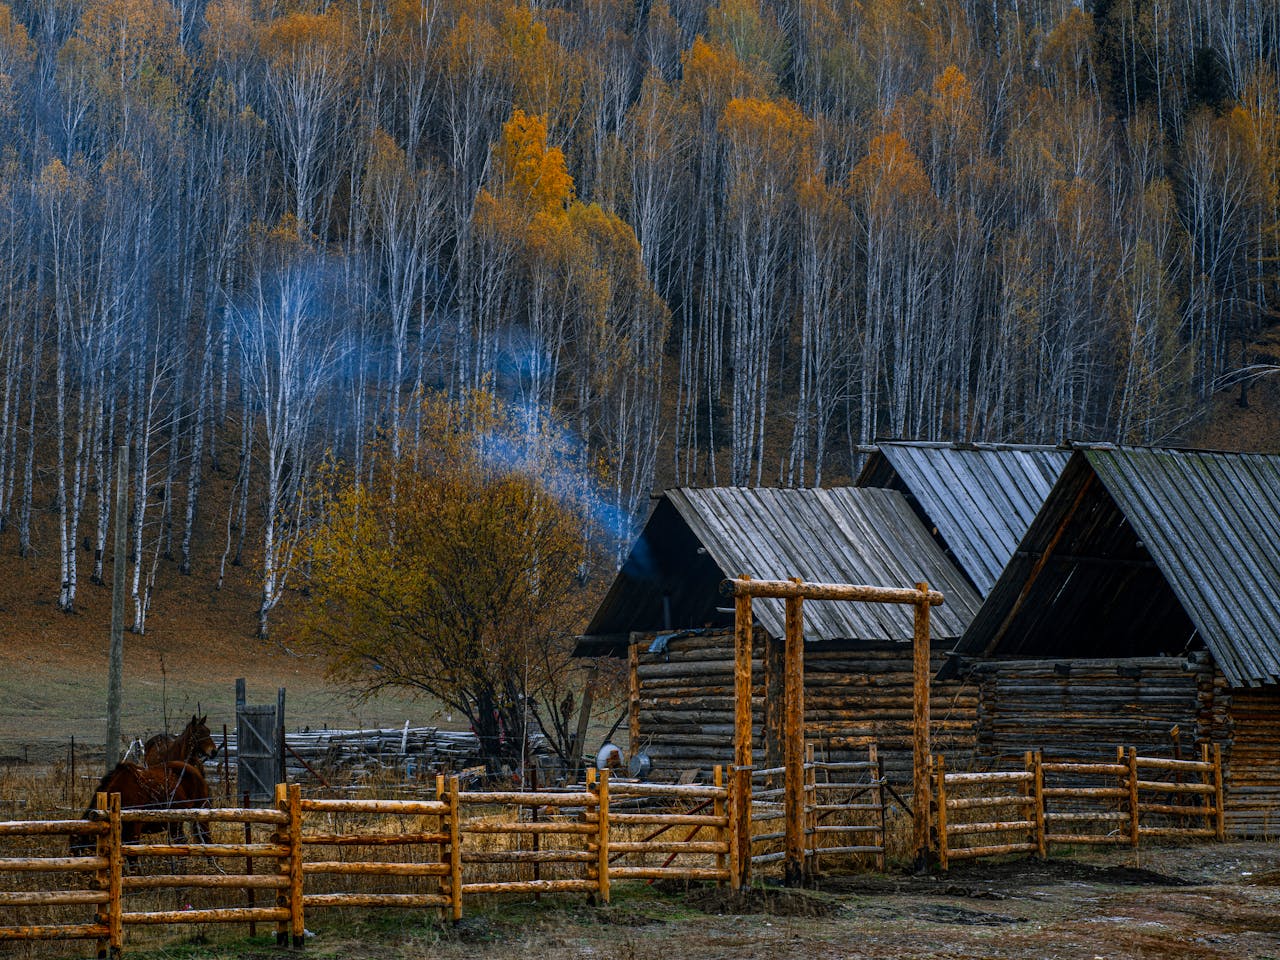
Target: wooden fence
x,y
844,811
1068,802
304,854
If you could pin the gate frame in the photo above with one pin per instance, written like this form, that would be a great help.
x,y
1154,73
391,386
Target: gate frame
x,y
795,591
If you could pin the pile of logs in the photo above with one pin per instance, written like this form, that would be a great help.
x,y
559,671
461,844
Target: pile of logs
x,y
354,754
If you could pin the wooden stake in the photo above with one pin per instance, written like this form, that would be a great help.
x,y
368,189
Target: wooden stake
x,y
810,812
1133,796
731,831
1220,826
920,722
793,744
633,699
281,837
877,771
940,771
602,835
1036,796
455,852
719,809
742,732
115,878
295,864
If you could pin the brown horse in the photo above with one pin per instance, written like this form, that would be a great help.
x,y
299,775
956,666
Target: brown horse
x,y
194,745
172,785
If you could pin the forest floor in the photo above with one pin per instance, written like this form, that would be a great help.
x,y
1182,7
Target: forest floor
x,y
1191,903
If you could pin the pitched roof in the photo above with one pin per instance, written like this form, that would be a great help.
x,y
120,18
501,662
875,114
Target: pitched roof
x,y
980,498
697,537
1135,549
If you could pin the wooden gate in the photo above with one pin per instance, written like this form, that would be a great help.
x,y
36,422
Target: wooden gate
x,y
257,752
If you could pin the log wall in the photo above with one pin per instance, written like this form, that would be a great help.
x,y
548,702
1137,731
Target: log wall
x,y
855,695
1253,768
1083,709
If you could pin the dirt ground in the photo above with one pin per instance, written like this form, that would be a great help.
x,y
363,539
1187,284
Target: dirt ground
x,y
1197,902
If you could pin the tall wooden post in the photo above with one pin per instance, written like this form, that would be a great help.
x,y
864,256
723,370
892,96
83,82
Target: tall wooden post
x,y
297,926
920,720
115,660
742,732
633,699
793,743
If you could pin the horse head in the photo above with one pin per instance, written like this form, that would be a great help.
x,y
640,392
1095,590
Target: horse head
x,y
200,739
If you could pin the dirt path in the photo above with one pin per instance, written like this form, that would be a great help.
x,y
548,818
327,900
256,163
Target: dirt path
x,y
1206,903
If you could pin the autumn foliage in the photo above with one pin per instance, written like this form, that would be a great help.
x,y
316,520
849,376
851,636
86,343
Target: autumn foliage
x,y
726,242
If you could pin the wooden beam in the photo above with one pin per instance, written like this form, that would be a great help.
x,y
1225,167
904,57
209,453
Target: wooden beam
x,y
743,633
793,743
920,728
782,589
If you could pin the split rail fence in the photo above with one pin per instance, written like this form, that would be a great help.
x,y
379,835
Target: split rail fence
x,y
305,854
1074,802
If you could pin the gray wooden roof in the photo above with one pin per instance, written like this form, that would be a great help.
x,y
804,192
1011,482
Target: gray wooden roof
x,y
980,498
846,535
1211,522
1141,551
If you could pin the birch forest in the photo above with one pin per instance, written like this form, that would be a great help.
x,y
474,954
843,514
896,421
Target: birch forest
x,y
711,243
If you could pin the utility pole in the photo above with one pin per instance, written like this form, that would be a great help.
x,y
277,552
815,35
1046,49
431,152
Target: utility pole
x,y
115,669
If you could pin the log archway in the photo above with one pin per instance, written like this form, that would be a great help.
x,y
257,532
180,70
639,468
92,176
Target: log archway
x,y
794,592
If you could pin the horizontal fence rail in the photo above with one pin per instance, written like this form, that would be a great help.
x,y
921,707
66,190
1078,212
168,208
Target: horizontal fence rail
x,y
273,866
1076,803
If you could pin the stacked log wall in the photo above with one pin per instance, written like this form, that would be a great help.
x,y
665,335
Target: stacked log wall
x,y
685,702
1253,763
855,694
1084,709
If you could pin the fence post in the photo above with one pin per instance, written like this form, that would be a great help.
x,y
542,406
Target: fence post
x,y
115,882
719,808
877,771
281,838
602,834
1220,826
295,865
455,852
940,798
102,876
1133,796
731,830
810,812
1041,847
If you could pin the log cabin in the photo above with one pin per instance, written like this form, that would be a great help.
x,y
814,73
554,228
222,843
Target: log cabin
x,y
665,613
1140,610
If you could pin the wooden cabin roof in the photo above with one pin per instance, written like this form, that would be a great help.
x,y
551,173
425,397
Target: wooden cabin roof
x,y
981,498
696,538
1140,551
